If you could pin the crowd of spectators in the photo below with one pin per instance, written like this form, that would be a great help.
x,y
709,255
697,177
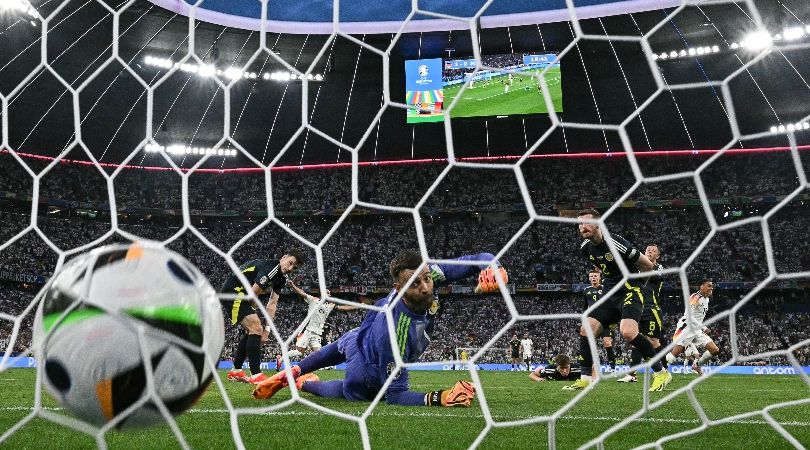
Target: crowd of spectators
x,y
358,252
550,182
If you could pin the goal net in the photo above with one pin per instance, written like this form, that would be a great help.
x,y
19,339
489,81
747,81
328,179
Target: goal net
x,y
228,135
483,355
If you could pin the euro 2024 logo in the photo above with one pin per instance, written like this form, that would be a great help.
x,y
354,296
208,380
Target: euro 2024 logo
x,y
423,70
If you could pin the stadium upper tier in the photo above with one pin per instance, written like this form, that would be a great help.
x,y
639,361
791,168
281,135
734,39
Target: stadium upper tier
x,y
471,210
553,184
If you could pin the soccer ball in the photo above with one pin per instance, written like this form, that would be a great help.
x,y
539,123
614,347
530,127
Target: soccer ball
x,y
109,311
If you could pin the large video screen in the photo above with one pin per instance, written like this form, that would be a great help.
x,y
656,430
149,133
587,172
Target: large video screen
x,y
432,84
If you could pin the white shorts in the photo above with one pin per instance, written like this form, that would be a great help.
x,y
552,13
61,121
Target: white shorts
x,y
686,336
309,340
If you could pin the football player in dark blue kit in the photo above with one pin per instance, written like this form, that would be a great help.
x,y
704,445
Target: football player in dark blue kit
x,y
624,307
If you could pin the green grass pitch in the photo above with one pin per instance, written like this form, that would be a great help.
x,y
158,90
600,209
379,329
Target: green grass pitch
x,y
491,100
510,396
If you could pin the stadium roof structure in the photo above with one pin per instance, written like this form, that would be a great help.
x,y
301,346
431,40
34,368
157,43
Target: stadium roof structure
x,y
603,81
373,17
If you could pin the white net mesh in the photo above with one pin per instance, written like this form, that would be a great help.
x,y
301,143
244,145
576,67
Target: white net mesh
x,y
621,128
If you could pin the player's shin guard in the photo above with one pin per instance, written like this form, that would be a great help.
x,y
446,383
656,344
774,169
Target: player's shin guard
x,y
647,351
587,358
325,357
241,353
254,353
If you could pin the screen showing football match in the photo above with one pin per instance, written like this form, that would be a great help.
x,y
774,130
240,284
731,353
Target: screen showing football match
x,y
432,84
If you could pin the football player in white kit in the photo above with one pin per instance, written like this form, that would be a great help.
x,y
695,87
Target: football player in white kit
x,y
507,82
311,338
686,335
528,347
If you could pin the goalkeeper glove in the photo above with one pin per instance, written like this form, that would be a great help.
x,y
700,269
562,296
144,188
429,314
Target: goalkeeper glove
x,y
487,282
461,394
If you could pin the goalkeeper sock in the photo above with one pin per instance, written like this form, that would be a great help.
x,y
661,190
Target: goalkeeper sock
x,y
647,351
254,354
325,357
241,353
587,358
705,358
635,358
611,357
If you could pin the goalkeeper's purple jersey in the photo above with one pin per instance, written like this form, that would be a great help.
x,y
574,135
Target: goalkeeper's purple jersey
x,y
411,339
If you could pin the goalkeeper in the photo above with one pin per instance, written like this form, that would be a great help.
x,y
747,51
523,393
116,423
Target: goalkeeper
x,y
367,350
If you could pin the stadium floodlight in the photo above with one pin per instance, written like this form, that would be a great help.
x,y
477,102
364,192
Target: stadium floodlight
x,y
734,46
692,52
757,40
793,33
18,5
774,130
207,70
673,54
715,48
233,73
180,149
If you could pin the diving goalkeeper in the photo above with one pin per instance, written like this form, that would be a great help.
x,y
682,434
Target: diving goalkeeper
x,y
367,350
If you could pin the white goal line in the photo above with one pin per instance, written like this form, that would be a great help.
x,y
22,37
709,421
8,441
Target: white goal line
x,y
398,413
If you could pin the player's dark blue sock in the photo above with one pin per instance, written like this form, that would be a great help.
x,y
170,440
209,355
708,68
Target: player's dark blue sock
x,y
647,351
330,389
611,357
635,356
663,360
254,353
585,354
325,357
241,353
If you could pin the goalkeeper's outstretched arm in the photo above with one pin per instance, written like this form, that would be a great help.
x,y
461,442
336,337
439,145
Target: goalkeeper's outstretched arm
x,y
487,280
447,273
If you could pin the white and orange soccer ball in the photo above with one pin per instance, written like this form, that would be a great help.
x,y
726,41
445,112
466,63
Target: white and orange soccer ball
x,y
118,316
